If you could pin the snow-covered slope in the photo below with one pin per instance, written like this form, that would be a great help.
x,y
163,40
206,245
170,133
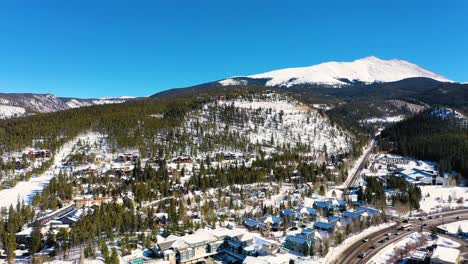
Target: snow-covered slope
x,y
337,74
42,103
20,104
8,111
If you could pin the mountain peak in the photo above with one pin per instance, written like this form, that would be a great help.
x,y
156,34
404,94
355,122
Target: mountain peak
x,y
369,58
367,70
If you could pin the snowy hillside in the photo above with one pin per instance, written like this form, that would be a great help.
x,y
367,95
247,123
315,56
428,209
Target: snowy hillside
x,y
272,122
75,103
336,74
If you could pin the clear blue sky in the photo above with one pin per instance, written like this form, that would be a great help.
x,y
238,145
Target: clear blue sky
x,y
85,49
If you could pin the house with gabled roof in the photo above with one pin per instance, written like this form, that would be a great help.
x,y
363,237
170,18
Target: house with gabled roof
x,y
339,222
352,215
251,224
324,226
325,208
307,214
300,244
270,222
367,212
291,214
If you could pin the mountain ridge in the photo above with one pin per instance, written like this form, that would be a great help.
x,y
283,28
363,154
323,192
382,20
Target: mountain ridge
x,y
339,74
21,104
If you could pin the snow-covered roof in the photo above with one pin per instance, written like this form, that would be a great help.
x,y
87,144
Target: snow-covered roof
x,y
445,255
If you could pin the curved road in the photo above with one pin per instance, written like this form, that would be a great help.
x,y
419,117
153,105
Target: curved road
x,y
379,240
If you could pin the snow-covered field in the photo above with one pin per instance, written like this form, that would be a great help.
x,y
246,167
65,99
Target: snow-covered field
x,y
436,198
454,227
26,190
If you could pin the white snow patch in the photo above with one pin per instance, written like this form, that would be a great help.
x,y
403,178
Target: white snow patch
x,y
228,82
8,111
445,242
389,119
75,103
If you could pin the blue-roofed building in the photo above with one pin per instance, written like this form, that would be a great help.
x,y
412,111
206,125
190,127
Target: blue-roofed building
x,y
324,226
251,224
325,208
270,222
307,214
367,212
351,215
339,221
330,207
389,194
339,203
299,244
307,231
316,235
291,214
422,177
353,195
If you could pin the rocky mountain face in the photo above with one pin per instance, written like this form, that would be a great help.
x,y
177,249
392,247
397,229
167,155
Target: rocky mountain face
x,y
21,104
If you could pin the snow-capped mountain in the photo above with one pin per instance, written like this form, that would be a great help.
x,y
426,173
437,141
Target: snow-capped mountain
x,y
21,104
338,74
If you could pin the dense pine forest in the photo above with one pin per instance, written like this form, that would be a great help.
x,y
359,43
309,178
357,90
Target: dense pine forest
x,y
132,124
430,137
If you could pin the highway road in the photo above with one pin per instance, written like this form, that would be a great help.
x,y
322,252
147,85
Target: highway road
x,y
379,240
352,180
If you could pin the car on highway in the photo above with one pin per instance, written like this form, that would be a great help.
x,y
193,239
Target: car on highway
x,y
373,246
365,240
458,217
362,255
396,233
